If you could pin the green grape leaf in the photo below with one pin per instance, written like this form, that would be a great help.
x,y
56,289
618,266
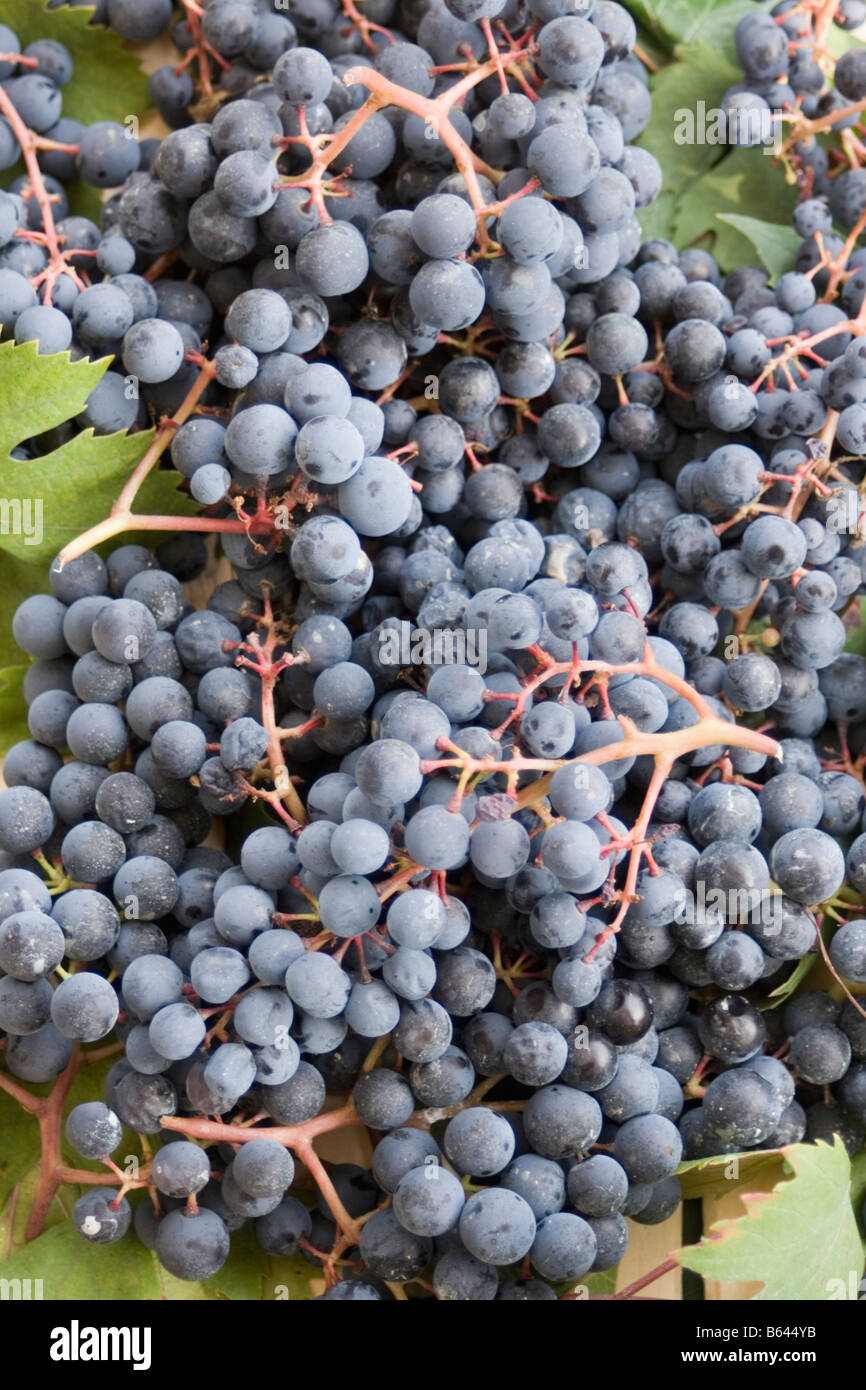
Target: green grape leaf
x,y
676,134
839,41
799,1241
725,1173
744,178
44,506
39,393
96,52
70,1269
658,219
605,1282
858,1178
84,201
127,1271
776,246
675,22
18,579
650,47
20,1150
250,1274
13,711
591,1284
88,1085
856,639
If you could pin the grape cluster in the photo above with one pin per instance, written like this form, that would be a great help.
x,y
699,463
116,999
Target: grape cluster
x,y
524,913
781,52
45,291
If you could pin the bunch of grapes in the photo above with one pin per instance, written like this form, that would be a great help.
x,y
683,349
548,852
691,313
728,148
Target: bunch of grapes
x,y
531,670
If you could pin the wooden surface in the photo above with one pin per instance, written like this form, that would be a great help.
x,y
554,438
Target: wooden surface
x,y
649,1246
